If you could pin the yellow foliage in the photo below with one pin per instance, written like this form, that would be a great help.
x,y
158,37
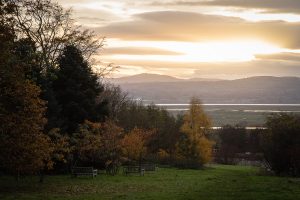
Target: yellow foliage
x,y
194,148
162,154
133,144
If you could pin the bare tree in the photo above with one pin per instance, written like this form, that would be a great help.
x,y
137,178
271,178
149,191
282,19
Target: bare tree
x,y
51,28
117,99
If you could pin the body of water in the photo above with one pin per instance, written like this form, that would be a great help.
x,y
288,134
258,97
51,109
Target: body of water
x,y
250,115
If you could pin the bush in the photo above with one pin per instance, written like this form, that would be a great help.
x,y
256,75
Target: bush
x,y
282,144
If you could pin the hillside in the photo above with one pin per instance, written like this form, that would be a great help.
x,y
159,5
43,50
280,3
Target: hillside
x,y
165,89
154,78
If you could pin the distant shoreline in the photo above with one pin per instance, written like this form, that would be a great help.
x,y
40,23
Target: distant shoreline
x,y
167,104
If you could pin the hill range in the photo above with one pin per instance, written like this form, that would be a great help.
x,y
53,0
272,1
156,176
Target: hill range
x,y
253,90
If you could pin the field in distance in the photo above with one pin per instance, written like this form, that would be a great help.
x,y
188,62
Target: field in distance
x,y
251,115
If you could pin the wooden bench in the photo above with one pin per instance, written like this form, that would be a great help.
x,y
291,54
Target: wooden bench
x,y
84,171
149,167
133,169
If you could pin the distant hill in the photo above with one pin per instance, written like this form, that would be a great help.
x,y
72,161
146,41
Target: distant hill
x,y
166,89
155,78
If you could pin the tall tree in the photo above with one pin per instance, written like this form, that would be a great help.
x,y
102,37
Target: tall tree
x,y
76,89
51,28
23,146
194,149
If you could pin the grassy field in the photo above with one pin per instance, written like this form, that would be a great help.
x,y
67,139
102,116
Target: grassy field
x,y
217,182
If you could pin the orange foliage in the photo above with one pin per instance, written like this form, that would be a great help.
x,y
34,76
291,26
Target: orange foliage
x,y
23,145
134,144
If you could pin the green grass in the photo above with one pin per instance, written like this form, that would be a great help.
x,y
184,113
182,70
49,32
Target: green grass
x,y
218,182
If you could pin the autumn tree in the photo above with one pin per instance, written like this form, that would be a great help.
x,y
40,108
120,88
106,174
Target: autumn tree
x,y
77,88
167,127
111,149
87,142
24,148
50,29
61,148
98,143
134,144
194,149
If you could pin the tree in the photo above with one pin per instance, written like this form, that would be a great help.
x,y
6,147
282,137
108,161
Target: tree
x,y
232,141
87,142
23,145
51,28
24,148
111,149
77,88
134,144
117,100
282,144
99,143
194,149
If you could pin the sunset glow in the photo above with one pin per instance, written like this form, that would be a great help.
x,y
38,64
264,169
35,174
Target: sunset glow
x,y
195,38
222,51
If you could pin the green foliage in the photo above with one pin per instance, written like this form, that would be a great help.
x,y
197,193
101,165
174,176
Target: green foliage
x,y
76,89
167,127
232,141
282,144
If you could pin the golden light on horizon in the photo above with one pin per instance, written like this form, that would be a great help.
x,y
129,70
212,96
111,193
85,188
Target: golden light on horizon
x,y
195,38
218,51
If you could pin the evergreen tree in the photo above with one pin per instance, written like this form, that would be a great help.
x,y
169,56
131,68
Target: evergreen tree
x,y
76,89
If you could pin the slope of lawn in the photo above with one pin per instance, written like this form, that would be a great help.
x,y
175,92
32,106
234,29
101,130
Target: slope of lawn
x,y
218,182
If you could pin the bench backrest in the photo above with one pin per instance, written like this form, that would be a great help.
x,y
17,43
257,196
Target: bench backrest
x,y
132,168
82,169
149,167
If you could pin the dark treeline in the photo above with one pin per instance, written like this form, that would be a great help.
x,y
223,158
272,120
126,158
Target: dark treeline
x,y
275,148
56,112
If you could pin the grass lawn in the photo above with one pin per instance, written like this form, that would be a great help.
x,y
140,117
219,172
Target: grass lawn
x,y
218,182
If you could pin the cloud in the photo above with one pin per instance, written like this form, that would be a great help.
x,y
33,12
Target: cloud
x,y
293,57
188,26
138,51
273,6
246,69
269,66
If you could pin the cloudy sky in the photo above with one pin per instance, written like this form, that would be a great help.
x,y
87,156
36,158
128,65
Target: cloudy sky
x,y
196,38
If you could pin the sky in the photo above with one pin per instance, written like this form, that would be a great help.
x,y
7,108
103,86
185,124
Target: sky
x,y
225,39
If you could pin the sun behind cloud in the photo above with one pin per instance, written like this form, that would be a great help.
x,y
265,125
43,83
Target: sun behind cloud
x,y
218,51
219,38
